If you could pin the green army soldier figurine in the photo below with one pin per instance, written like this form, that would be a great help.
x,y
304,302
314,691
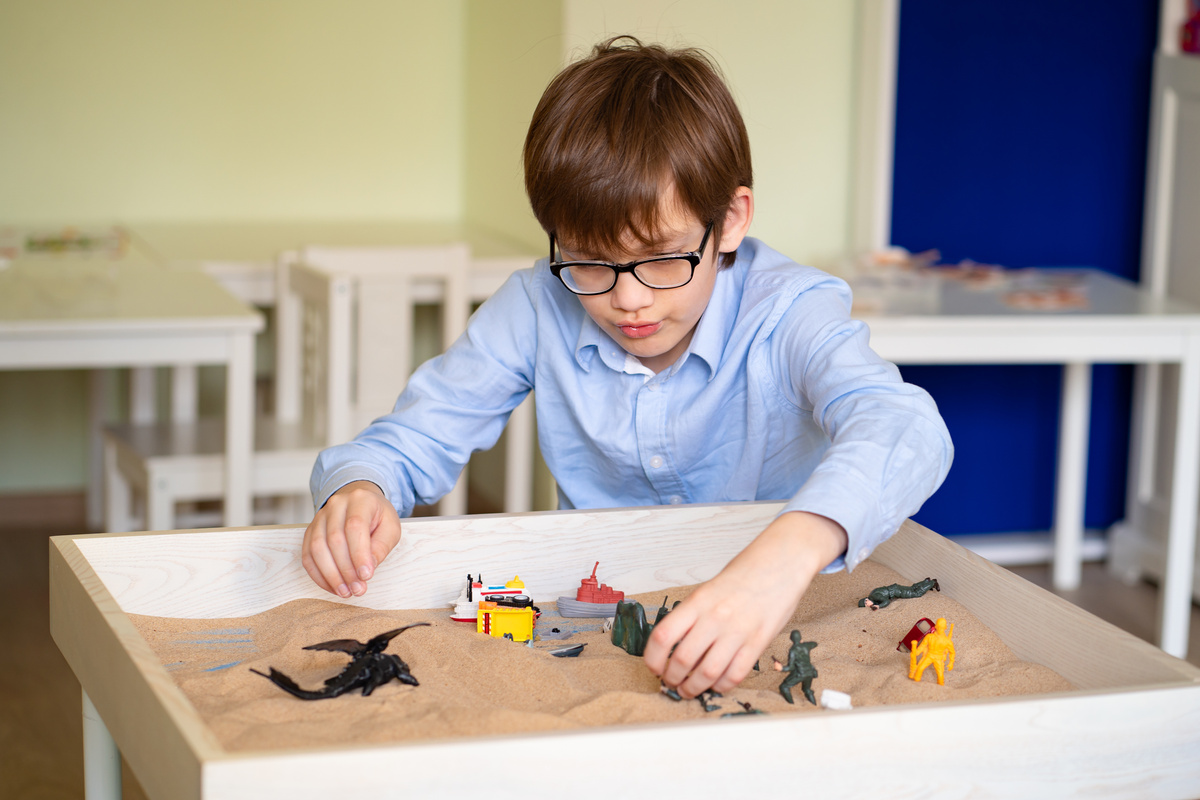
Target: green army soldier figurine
x,y
884,595
799,668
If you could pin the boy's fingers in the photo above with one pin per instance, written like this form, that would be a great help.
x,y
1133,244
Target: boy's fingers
x,y
711,668
385,538
359,530
323,559
689,654
339,550
664,637
739,668
306,557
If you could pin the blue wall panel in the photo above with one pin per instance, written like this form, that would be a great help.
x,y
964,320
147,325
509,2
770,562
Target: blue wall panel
x,y
1021,134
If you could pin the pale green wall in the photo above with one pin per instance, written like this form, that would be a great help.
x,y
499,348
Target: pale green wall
x,y
219,110
790,66
230,109
512,52
290,109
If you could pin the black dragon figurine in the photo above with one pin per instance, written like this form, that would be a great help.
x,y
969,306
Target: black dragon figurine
x,y
369,668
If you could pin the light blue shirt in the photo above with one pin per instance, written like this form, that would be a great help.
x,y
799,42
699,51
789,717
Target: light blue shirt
x,y
778,397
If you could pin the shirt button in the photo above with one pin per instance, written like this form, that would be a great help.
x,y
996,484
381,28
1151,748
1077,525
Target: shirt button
x,y
863,554
652,387
656,462
675,500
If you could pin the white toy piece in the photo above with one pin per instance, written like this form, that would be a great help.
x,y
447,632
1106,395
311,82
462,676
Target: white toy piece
x,y
835,700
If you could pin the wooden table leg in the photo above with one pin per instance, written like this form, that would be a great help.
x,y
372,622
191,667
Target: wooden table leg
x,y
101,758
1071,483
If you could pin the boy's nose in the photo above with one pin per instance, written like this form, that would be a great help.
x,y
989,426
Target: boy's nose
x,y
630,294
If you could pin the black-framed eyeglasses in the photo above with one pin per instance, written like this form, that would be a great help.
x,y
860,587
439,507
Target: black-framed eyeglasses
x,y
660,272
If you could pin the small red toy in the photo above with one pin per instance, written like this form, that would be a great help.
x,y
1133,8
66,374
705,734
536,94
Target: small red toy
x,y
592,591
919,631
592,599
1189,31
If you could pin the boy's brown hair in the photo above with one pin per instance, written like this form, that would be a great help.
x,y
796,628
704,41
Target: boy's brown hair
x,y
613,130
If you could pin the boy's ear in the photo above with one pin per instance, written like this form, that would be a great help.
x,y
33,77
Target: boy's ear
x,y
737,220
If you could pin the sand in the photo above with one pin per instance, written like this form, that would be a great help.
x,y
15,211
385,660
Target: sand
x,y
474,685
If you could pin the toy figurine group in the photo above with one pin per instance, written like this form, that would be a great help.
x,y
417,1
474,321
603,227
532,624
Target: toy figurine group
x,y
929,644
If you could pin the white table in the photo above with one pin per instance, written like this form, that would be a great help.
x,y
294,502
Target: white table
x,y
92,313
243,255
1122,324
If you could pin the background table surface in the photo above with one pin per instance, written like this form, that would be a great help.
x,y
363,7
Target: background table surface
x,y
67,290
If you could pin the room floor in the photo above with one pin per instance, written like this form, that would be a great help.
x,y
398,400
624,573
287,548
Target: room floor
x,y
41,756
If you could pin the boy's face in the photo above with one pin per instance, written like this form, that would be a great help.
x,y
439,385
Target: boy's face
x,y
655,325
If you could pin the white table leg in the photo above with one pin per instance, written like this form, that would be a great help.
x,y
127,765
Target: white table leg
x,y
143,395
454,502
1185,489
101,758
1147,391
97,416
185,392
518,467
239,429
1070,489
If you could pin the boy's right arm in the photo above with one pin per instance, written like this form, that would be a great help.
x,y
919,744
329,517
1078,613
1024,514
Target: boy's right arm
x,y
451,406
349,537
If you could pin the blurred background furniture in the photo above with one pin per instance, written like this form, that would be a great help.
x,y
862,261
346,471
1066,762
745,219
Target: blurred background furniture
x,y
384,284
165,463
86,312
1143,544
1121,323
344,335
241,256
389,285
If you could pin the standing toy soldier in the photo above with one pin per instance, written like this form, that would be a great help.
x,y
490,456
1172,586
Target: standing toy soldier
x,y
799,668
937,649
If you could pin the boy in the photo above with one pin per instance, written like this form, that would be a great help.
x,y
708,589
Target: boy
x,y
675,360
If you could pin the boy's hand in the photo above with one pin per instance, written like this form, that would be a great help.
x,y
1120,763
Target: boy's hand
x,y
724,626
348,538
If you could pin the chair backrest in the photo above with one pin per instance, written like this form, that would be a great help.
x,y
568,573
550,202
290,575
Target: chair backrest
x,y
315,320
388,283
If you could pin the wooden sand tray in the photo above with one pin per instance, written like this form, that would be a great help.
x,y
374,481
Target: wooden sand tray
x,y
1131,729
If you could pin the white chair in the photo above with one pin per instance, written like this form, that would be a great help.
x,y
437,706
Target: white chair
x,y
344,331
385,283
167,463
388,283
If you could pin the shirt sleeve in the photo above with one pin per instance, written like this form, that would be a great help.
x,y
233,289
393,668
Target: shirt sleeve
x,y
890,449
453,405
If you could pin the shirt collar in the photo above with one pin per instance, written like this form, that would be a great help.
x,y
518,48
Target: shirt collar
x,y
716,324
594,341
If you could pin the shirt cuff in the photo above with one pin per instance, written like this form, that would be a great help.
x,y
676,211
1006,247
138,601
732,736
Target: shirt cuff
x,y
357,472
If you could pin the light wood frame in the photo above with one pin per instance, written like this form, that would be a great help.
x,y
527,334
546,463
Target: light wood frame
x,y
1131,729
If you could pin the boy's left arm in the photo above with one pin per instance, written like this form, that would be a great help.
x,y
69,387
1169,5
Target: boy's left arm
x,y
723,627
889,451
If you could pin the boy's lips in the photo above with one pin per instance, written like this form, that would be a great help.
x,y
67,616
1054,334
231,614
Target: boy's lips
x,y
640,330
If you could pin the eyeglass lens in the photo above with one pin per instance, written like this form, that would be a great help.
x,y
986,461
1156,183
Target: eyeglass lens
x,y
662,274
